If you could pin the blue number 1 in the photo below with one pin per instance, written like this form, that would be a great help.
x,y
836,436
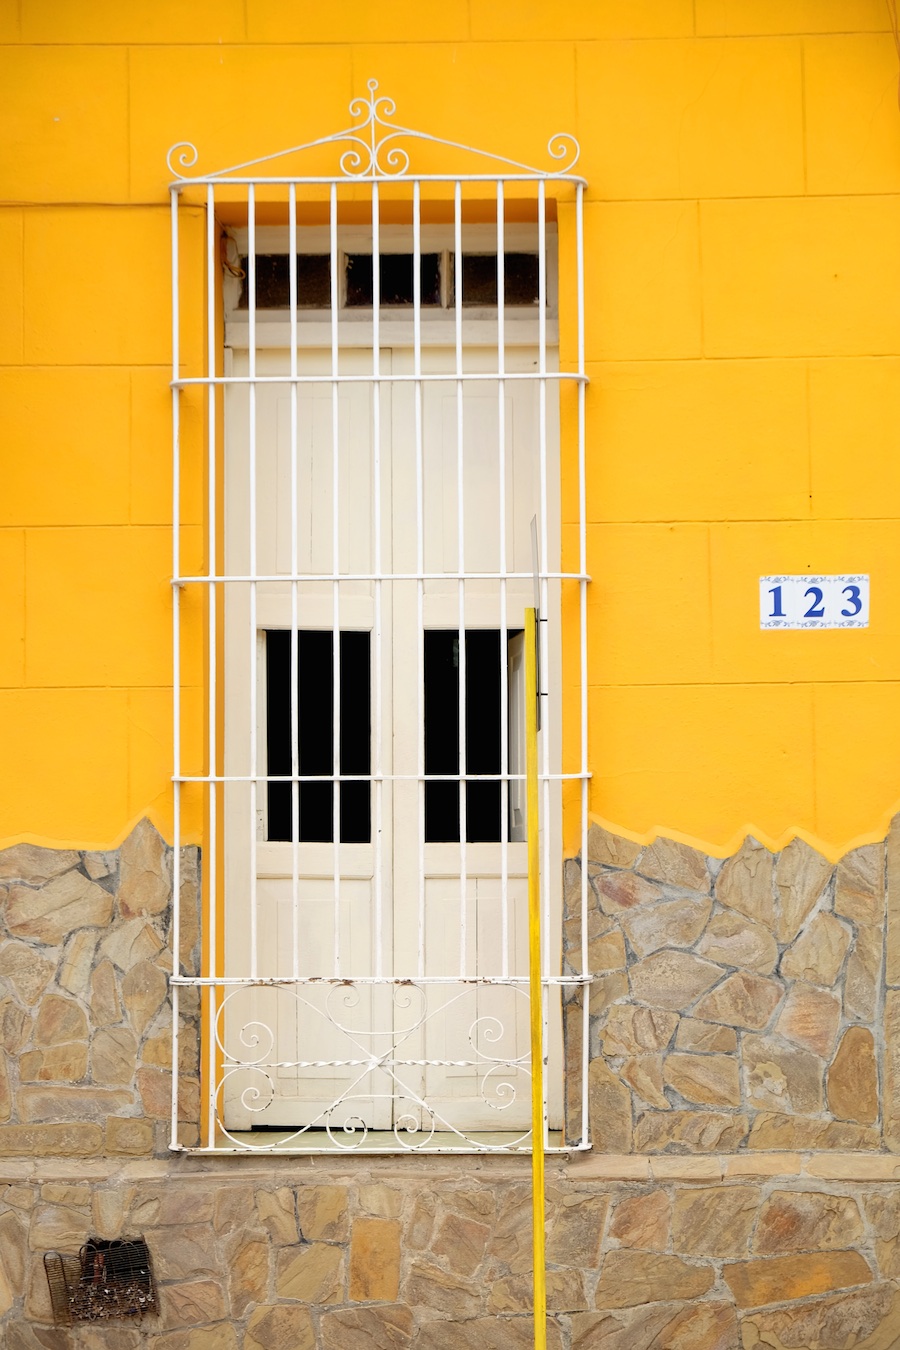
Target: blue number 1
x,y
777,611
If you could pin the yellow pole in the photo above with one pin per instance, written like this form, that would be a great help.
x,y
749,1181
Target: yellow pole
x,y
534,984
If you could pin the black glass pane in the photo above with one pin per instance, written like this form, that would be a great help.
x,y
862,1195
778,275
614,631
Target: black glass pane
x,y
315,687
396,277
520,278
273,281
483,673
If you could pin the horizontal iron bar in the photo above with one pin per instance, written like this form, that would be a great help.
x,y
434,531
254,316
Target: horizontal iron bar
x,y
425,378
337,1149
219,579
377,778
211,180
401,981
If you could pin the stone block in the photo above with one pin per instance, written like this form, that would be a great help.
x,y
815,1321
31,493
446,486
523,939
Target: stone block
x,y
58,1228
28,971
817,955
145,885
71,1103
609,1106
707,1080
714,1221
867,1318
675,1326
49,915
690,1131
705,1038
575,1231
36,865
6,1096
746,883
155,1088
13,1248
801,875
278,1215
484,1333
644,1073
779,1076
515,1293
773,1130
675,864
130,942
673,980
606,989
389,1327
191,1303
221,1336
384,1202
100,865
59,1020
143,993
232,1204
637,1031
734,940
864,974
892,875
627,1278
421,1224
619,892
742,1000
853,1078
54,1064
782,1278
643,1221
462,1243
248,1273
672,923
113,1055
810,1017
324,1213
129,1135
68,1139
374,1260
75,968
108,1210
313,1273
105,1006
15,1027
427,1285
797,1221
184,1253
611,849
859,885
892,1070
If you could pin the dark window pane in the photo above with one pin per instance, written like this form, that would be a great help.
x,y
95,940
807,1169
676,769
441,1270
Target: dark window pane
x,y
520,278
273,281
316,741
482,733
396,277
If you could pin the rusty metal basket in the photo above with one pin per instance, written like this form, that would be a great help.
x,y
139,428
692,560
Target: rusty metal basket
x,y
108,1278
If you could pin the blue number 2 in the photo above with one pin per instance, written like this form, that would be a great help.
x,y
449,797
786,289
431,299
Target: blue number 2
x,y
854,600
813,612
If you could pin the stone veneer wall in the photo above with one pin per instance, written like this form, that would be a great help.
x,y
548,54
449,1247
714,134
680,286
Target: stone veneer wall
x,y
745,1043
85,1014
742,1004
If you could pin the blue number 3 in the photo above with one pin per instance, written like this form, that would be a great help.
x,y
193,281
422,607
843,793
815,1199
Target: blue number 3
x,y
854,600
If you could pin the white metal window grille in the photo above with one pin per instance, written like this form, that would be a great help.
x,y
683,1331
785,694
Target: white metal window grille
x,y
382,503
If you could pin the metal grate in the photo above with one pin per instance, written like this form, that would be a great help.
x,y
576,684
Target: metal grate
x,y
376,471
106,1279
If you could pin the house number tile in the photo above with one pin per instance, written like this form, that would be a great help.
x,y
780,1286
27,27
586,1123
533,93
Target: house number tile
x,y
814,602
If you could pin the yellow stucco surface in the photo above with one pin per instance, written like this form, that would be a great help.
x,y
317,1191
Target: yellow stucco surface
x,y
742,340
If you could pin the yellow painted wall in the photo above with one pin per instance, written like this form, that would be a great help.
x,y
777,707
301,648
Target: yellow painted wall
x,y
743,343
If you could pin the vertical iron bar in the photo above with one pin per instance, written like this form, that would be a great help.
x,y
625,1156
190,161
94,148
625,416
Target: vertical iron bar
x,y
544,648
176,662
213,756
420,565
251,507
335,604
582,597
295,598
504,567
379,653
461,585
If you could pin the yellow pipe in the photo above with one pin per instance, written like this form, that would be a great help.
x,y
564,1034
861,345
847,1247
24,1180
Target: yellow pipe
x,y
534,984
